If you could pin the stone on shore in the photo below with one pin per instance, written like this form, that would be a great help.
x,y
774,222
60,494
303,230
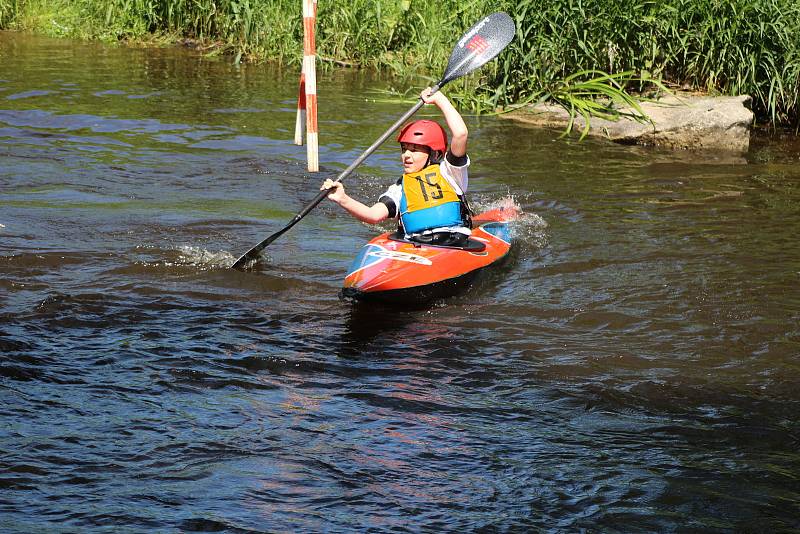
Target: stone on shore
x,y
677,121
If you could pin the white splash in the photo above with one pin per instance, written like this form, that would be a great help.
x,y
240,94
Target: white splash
x,y
199,257
529,227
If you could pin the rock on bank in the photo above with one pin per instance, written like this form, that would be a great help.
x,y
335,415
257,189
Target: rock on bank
x,y
677,121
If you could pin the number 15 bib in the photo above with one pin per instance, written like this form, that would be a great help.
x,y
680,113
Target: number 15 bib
x,y
429,201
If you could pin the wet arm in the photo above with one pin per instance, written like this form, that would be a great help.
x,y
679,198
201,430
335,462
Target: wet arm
x,y
368,214
458,129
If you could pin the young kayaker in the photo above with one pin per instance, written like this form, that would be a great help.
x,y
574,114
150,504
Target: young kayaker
x,y
429,199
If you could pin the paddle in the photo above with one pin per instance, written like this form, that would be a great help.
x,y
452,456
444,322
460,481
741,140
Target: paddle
x,y
480,44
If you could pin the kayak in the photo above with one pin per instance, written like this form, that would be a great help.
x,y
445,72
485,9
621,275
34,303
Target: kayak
x,y
392,269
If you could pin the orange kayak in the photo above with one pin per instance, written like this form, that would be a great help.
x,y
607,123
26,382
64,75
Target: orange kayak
x,y
392,269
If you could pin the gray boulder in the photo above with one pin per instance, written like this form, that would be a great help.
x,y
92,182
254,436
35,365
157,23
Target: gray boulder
x,y
677,121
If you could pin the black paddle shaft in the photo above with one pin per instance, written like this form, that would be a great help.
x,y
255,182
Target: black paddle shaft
x,y
254,252
479,45
367,153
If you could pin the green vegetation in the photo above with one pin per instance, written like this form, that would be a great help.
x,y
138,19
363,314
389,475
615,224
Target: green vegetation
x,y
719,46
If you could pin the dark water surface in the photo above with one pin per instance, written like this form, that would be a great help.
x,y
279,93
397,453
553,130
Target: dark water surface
x,y
635,367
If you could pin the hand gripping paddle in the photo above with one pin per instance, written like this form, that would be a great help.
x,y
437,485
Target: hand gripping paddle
x,y
479,45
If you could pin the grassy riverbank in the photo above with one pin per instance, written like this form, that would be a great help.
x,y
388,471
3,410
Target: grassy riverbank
x,y
720,46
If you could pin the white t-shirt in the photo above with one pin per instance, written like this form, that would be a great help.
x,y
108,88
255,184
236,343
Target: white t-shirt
x,y
456,175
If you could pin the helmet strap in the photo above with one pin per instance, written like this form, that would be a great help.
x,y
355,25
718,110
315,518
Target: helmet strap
x,y
435,156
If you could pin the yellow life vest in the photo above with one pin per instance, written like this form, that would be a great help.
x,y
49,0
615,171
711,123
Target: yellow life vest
x,y
428,201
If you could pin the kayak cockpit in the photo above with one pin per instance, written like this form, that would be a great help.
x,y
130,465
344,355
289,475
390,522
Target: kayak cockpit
x,y
471,245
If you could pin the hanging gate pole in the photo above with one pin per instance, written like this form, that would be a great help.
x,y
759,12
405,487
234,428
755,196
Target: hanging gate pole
x,y
309,78
300,122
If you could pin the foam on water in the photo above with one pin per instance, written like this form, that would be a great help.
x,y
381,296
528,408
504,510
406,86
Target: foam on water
x,y
204,259
528,227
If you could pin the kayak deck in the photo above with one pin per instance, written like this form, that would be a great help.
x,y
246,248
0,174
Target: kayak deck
x,y
391,269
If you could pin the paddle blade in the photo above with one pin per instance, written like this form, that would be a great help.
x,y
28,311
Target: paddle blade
x,y
479,45
247,260
250,257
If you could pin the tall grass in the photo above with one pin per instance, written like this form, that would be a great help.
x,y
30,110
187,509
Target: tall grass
x,y
720,46
9,10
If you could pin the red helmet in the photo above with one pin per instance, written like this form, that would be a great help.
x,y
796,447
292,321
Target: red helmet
x,y
424,132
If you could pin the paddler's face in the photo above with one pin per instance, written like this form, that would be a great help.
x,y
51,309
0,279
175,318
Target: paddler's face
x,y
414,156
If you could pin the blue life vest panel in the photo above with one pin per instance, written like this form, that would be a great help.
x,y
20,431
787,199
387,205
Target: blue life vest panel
x,y
428,201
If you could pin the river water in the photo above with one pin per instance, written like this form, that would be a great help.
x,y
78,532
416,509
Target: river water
x,y
634,367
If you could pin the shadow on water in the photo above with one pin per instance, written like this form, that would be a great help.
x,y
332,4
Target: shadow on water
x,y
368,323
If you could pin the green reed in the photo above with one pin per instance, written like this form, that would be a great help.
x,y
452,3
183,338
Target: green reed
x,y
719,46
8,12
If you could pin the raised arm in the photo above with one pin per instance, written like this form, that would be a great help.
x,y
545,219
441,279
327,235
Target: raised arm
x,y
458,130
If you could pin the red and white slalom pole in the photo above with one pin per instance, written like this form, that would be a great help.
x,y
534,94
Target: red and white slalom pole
x,y
300,122
310,78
